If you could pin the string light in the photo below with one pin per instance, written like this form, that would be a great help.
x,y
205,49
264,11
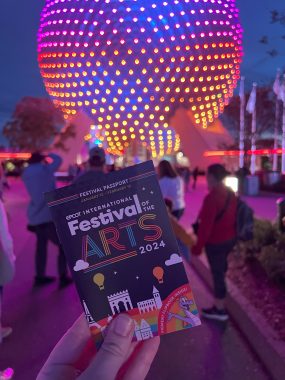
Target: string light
x,y
131,66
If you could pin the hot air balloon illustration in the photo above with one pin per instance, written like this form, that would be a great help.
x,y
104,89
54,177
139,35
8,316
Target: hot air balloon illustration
x,y
98,279
158,274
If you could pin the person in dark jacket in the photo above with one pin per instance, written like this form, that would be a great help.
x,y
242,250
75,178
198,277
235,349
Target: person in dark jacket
x,y
39,178
217,233
95,170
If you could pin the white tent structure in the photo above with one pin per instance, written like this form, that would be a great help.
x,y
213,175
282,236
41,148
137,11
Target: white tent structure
x,y
196,140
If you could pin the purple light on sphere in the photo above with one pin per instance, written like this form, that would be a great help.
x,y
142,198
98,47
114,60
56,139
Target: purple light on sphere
x,y
131,64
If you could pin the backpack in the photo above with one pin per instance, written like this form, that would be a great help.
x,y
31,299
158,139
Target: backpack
x,y
244,221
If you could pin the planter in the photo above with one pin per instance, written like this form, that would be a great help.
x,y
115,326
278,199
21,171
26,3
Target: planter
x,y
259,333
251,185
270,178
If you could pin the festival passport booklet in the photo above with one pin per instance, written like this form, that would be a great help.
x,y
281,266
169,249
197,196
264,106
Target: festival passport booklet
x,y
123,254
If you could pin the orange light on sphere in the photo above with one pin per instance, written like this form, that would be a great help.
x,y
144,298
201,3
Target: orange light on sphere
x,y
131,65
159,142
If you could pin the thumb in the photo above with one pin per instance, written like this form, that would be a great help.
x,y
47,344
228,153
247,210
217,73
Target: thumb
x,y
113,352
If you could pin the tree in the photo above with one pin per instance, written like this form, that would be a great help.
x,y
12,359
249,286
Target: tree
x,y
65,134
277,17
35,124
265,115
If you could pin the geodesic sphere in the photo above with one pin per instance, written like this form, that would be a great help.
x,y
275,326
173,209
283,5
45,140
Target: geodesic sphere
x,y
131,64
159,142
162,142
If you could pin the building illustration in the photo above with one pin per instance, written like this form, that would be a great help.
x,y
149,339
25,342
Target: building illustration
x,y
89,317
120,301
143,331
150,304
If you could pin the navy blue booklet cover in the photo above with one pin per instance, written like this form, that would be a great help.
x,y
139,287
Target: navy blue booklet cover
x,y
122,252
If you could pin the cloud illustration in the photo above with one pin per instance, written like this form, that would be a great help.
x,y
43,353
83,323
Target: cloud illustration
x,y
174,259
80,265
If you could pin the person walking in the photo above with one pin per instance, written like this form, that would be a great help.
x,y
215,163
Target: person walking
x,y
3,181
172,187
195,174
187,176
217,233
39,178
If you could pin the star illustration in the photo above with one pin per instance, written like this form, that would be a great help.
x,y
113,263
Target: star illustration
x,y
115,272
151,192
143,188
137,277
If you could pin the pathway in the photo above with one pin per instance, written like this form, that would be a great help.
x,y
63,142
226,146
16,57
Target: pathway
x,y
39,317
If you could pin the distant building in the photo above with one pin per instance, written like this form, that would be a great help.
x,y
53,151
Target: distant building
x,y
150,304
143,331
198,140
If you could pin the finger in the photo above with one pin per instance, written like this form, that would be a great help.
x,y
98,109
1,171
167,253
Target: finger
x,y
114,350
132,348
132,351
142,360
66,352
73,342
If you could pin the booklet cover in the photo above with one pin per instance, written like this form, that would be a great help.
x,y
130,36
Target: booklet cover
x,y
122,252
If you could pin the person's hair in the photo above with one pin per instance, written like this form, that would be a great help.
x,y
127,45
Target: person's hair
x,y
96,161
168,203
218,171
36,158
165,169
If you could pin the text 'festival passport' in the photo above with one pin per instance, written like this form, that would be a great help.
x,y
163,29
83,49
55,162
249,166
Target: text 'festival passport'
x,y
123,254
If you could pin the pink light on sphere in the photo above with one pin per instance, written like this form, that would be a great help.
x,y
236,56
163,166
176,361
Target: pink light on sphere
x,y
131,64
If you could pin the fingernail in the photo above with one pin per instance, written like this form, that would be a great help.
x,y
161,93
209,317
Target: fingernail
x,y
123,325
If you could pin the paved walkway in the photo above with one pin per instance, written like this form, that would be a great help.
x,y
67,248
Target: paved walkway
x,y
39,318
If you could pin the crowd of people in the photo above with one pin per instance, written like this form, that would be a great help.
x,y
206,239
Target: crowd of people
x,y
214,232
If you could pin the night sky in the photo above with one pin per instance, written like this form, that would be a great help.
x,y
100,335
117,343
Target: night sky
x,y
19,74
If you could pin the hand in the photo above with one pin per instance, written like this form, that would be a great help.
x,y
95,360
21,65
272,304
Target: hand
x,y
74,355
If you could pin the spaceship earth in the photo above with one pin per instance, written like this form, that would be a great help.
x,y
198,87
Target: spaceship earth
x,y
159,142
131,64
